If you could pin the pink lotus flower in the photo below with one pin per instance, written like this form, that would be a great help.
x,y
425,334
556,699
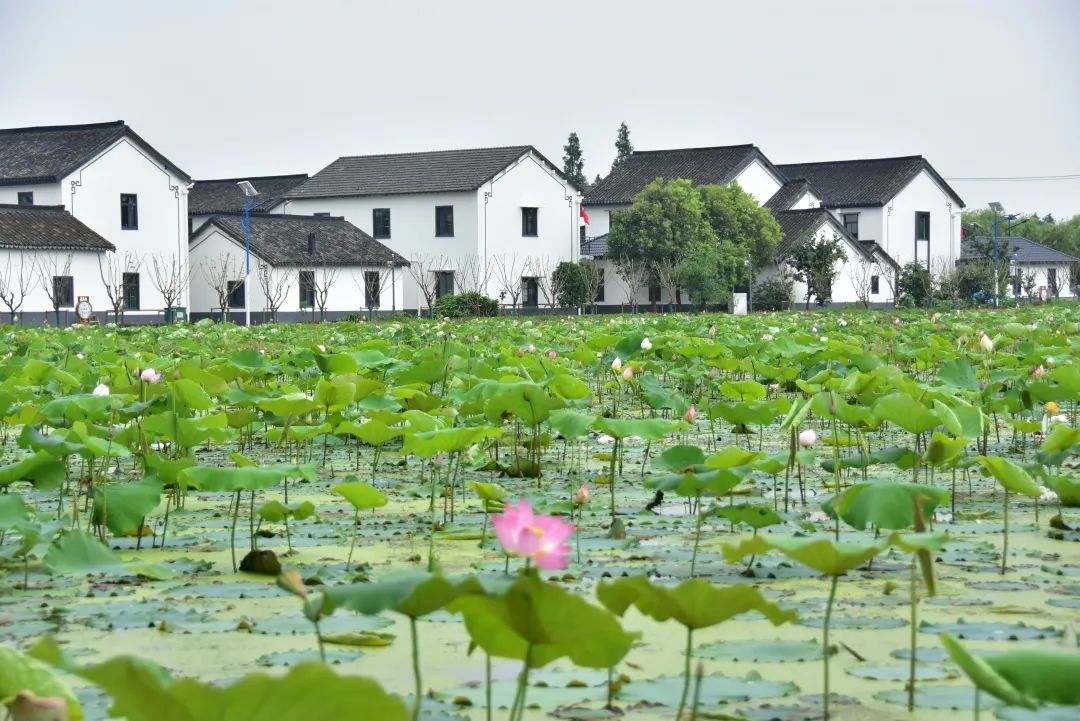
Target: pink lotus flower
x,y
27,706
808,438
532,348
616,365
552,355
646,344
896,321
774,387
628,373
101,390
582,496
1039,372
537,537
691,414
714,372
149,376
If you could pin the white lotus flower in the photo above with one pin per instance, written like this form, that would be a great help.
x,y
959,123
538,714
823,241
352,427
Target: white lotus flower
x,y
616,365
646,344
101,390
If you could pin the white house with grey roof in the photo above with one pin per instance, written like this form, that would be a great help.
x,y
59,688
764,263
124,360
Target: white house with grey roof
x,y
493,220
1050,271
120,187
303,267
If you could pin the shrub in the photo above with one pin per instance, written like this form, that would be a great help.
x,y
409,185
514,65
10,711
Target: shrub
x,y
465,305
570,285
915,286
772,293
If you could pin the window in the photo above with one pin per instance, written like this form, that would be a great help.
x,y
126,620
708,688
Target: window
x,y
1016,284
26,198
875,285
380,223
530,292
371,285
444,283
63,291
236,293
307,288
1052,282
922,226
600,286
131,291
129,211
530,222
444,221
851,224
581,233
654,294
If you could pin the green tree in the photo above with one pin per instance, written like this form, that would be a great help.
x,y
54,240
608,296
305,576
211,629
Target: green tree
x,y
574,161
666,222
814,262
746,233
698,277
623,146
568,283
915,285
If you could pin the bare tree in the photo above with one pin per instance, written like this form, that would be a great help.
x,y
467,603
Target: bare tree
x,y
543,269
323,280
221,274
16,282
508,270
862,274
113,267
891,277
471,275
371,292
666,274
593,278
634,273
424,270
1054,284
169,275
276,284
50,270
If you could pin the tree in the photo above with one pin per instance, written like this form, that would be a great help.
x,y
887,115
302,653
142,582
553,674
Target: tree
x,y
16,282
623,146
370,287
747,235
915,285
508,270
698,277
862,275
814,262
221,274
424,270
276,284
596,180
169,275
664,223
593,275
50,269
574,161
112,267
472,274
569,284
634,273
323,279
543,269
665,273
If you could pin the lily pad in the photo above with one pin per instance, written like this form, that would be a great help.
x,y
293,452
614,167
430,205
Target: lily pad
x,y
777,651
990,631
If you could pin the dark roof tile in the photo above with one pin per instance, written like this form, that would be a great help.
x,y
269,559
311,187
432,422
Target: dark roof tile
x,y
46,227
1016,248
282,240
788,195
223,196
798,225
863,183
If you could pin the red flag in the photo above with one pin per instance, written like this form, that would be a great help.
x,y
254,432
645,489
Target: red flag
x,y
584,215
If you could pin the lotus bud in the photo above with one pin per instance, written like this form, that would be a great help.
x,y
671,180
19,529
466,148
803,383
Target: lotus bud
x,y
843,323
813,329
1049,361
714,372
646,344
985,342
712,329
896,321
581,497
101,390
552,355
27,706
628,373
1039,372
774,387
616,365
438,460
149,376
521,352
532,348
808,438
691,414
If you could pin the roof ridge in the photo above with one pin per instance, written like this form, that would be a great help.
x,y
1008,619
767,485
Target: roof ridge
x,y
705,147
16,206
291,216
61,128
252,177
856,160
432,152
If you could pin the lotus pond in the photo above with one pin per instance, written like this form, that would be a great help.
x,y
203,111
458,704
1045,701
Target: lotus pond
x,y
793,516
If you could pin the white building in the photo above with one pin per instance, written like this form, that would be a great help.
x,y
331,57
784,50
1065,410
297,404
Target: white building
x,y
494,220
116,184
1050,270
302,267
223,195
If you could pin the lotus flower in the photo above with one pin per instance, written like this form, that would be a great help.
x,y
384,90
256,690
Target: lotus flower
x,y
985,342
149,376
843,323
1051,408
896,321
552,355
101,390
537,537
808,438
774,387
767,337
813,329
1039,372
691,414
531,348
712,329
1050,361
616,365
581,497
27,706
714,372
628,373
646,344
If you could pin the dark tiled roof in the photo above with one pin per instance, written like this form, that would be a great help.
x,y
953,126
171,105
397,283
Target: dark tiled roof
x,y
872,248
46,227
863,183
717,166
1016,248
441,171
224,196
594,247
46,154
282,240
788,195
798,225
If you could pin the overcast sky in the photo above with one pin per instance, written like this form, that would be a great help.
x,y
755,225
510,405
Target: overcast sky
x,y
980,87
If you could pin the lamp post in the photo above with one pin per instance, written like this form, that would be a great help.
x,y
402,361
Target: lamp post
x,y
249,203
998,208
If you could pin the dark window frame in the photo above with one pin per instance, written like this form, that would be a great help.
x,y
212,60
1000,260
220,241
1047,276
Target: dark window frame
x,y
600,286
64,291
372,278
848,222
655,293
444,283
530,291
306,284
380,223
1052,289
444,221
129,211
530,222
236,294
922,220
875,285
26,197
131,291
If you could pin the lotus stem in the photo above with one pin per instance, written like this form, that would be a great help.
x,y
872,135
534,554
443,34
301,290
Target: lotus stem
x,y
1005,541
232,532
825,643
914,618
487,685
686,671
416,667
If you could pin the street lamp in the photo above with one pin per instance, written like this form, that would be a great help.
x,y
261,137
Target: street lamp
x,y
249,202
998,208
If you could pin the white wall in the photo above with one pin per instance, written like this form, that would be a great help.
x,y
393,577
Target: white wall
x,y
346,293
757,180
37,267
92,194
806,201
44,194
1041,272
600,219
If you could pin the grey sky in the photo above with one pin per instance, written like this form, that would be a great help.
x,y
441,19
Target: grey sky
x,y
980,87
